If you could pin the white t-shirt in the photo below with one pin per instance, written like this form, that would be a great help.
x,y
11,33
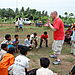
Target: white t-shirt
x,y
2,52
16,23
27,42
44,71
21,62
7,42
20,22
33,38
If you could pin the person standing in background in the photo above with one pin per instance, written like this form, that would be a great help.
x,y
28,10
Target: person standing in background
x,y
20,24
16,25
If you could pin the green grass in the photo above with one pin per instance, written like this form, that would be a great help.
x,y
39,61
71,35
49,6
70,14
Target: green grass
x,y
70,59
35,54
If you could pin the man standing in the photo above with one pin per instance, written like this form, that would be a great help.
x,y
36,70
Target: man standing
x,y
58,28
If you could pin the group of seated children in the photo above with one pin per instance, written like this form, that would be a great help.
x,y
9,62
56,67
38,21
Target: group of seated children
x,y
9,65
32,40
14,43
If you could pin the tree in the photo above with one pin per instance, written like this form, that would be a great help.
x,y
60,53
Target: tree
x,y
28,10
46,13
10,13
43,13
3,13
33,14
71,15
66,14
22,10
33,11
16,12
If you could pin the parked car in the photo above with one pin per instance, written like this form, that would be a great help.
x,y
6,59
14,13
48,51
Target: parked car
x,y
27,21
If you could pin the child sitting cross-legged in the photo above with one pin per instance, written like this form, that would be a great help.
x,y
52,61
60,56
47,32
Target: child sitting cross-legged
x,y
3,50
28,42
34,40
7,61
16,40
44,62
21,62
8,41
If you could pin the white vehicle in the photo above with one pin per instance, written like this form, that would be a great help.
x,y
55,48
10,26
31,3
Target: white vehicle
x,y
27,21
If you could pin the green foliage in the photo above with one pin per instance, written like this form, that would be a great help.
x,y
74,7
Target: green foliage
x,y
69,18
44,19
8,15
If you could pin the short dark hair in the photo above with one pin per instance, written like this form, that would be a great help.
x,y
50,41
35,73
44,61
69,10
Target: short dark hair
x,y
44,62
23,50
35,33
16,18
45,32
3,46
19,18
11,50
28,35
16,35
7,36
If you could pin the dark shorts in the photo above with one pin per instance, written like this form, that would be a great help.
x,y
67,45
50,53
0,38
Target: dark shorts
x,y
16,26
20,25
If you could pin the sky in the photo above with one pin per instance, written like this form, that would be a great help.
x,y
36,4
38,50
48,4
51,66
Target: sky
x,y
48,5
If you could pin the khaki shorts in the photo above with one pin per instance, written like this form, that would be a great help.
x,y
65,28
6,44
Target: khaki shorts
x,y
57,46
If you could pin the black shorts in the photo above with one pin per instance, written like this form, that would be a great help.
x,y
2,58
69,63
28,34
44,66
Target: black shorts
x,y
16,26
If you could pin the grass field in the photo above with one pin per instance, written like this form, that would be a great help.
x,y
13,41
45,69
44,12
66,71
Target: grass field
x,y
67,59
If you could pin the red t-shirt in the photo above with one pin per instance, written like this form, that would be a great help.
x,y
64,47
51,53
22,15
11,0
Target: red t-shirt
x,y
44,36
59,26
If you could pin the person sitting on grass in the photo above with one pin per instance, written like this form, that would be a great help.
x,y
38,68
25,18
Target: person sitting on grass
x,y
3,50
8,41
44,62
44,37
16,41
68,35
7,61
21,62
34,39
28,42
